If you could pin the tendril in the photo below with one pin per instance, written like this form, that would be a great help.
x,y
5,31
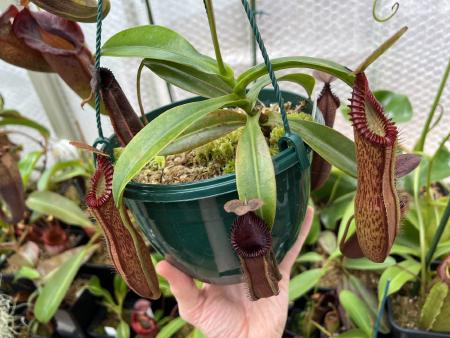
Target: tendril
x,y
394,8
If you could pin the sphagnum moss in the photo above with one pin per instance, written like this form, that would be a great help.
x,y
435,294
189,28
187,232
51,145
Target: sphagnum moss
x,y
215,158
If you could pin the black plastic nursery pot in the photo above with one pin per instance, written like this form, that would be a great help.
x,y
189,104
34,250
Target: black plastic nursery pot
x,y
400,332
187,224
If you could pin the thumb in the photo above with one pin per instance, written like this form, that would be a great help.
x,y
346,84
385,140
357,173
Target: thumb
x,y
286,265
181,285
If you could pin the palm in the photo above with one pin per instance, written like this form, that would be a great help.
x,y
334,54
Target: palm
x,y
226,310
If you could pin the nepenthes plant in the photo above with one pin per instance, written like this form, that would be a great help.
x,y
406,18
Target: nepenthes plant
x,y
173,58
229,105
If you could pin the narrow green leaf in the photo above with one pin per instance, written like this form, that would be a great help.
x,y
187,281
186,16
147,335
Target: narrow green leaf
x,y
196,333
309,257
356,310
173,326
50,203
314,232
255,175
334,147
27,165
190,78
49,175
399,275
397,106
334,212
120,288
26,272
302,283
433,305
304,80
123,330
323,65
173,58
54,290
158,134
327,241
23,121
399,249
365,264
354,333
368,296
96,289
214,125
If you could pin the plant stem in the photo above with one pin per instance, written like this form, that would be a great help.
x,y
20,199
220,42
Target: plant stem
x,y
215,40
426,128
438,234
138,90
424,267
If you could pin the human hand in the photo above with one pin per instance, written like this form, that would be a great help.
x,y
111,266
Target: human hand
x,y
225,311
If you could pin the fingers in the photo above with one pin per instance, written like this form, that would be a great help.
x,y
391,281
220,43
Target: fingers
x,y
181,285
286,265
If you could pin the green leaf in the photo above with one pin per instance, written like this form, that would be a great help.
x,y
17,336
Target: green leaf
x,y
255,174
433,305
173,58
120,288
213,126
27,165
158,134
334,212
23,121
50,203
49,175
96,289
190,78
54,290
196,333
26,272
369,298
399,275
399,249
442,249
397,106
303,282
314,233
327,241
334,147
354,333
309,257
304,80
357,311
122,330
173,326
365,264
323,65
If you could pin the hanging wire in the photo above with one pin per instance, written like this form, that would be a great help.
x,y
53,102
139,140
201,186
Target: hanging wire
x,y
273,79
98,44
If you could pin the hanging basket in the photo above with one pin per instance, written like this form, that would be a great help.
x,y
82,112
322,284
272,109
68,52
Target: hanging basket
x,y
187,224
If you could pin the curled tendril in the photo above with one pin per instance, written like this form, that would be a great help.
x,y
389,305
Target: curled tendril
x,y
394,8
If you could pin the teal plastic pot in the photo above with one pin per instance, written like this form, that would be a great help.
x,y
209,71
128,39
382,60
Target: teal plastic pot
x,y
187,224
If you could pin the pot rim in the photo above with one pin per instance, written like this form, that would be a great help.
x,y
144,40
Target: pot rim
x,y
412,332
206,188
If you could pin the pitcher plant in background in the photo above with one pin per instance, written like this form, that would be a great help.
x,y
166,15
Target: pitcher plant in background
x,y
44,42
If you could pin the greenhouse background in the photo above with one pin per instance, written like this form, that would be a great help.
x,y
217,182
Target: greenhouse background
x,y
343,32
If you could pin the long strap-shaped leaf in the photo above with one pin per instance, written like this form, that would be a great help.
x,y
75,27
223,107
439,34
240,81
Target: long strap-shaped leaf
x,y
255,175
158,134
